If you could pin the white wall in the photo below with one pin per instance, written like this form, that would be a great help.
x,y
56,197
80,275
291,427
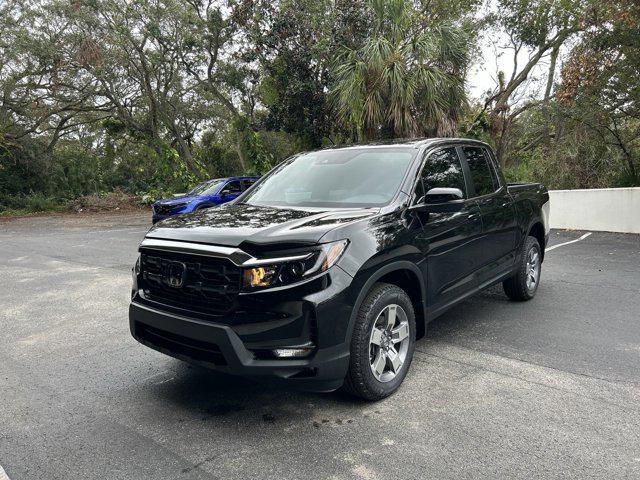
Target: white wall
x,y
606,209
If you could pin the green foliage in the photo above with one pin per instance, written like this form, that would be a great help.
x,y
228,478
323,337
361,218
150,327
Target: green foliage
x,y
154,97
218,159
405,80
575,157
16,205
170,174
475,124
295,73
280,145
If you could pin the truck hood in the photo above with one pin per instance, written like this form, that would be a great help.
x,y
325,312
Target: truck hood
x,y
232,225
176,200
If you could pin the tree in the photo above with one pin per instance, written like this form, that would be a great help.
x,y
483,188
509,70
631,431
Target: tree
x,y
38,97
406,79
539,28
212,56
131,52
291,41
600,81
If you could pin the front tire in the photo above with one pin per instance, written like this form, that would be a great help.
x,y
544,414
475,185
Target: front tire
x,y
524,284
382,343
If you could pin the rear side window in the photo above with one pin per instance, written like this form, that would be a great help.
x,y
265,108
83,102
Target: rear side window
x,y
248,182
481,172
443,170
497,177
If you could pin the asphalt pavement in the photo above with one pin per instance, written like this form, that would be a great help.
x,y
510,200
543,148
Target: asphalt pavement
x,y
544,389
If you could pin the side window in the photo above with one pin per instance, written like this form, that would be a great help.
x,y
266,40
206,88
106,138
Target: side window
x,y
497,177
481,172
248,182
231,188
442,169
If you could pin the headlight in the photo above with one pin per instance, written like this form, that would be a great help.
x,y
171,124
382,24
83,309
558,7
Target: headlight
x,y
136,267
178,205
135,271
288,270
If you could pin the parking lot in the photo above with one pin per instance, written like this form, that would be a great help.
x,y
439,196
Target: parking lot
x,y
548,388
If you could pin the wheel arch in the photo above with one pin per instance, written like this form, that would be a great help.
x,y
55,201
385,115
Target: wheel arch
x,y
407,276
536,230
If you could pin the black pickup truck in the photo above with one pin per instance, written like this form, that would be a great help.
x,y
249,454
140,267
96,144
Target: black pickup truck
x,y
325,272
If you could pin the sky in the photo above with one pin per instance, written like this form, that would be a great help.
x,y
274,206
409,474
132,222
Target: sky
x,y
494,55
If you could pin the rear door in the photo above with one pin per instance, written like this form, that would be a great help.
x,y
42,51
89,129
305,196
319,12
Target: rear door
x,y
499,226
450,241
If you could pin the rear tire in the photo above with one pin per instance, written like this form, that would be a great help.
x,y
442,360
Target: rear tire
x,y
524,284
380,359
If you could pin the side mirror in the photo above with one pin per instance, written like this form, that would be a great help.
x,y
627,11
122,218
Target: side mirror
x,y
440,200
440,195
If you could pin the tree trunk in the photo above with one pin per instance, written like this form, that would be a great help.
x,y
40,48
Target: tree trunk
x,y
632,168
240,128
186,155
547,95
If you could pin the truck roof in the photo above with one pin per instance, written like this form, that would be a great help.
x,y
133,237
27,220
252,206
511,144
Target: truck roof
x,y
413,142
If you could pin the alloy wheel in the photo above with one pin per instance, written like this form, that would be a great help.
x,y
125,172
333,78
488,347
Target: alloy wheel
x,y
533,268
389,343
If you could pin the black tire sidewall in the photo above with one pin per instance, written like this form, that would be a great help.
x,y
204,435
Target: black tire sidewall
x,y
369,311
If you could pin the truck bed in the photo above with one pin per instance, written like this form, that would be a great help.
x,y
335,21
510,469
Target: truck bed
x,y
519,186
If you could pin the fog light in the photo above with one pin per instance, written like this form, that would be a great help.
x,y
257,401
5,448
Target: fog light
x,y
297,352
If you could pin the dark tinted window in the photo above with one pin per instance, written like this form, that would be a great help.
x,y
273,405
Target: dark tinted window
x,y
481,172
231,187
443,170
497,178
248,183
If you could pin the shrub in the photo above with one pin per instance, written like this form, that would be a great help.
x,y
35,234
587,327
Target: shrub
x,y
28,204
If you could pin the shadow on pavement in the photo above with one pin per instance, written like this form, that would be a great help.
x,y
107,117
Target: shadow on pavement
x,y
209,394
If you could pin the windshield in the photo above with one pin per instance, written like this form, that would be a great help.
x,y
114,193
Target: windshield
x,y
359,177
206,188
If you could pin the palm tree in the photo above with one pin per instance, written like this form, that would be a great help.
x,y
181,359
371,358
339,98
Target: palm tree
x,y
407,78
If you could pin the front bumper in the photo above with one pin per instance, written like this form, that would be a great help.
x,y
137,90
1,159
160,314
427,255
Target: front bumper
x,y
156,217
234,343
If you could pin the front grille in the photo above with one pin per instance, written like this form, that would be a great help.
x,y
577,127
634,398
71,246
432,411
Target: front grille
x,y
209,285
179,345
162,209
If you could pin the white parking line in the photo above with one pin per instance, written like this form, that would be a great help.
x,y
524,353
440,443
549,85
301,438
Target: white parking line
x,y
3,474
567,243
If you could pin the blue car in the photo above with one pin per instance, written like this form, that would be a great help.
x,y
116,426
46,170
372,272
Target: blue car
x,y
208,194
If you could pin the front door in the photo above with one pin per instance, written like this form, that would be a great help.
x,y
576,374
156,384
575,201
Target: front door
x,y
450,241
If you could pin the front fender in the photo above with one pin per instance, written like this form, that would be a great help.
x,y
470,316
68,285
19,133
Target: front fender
x,y
366,278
